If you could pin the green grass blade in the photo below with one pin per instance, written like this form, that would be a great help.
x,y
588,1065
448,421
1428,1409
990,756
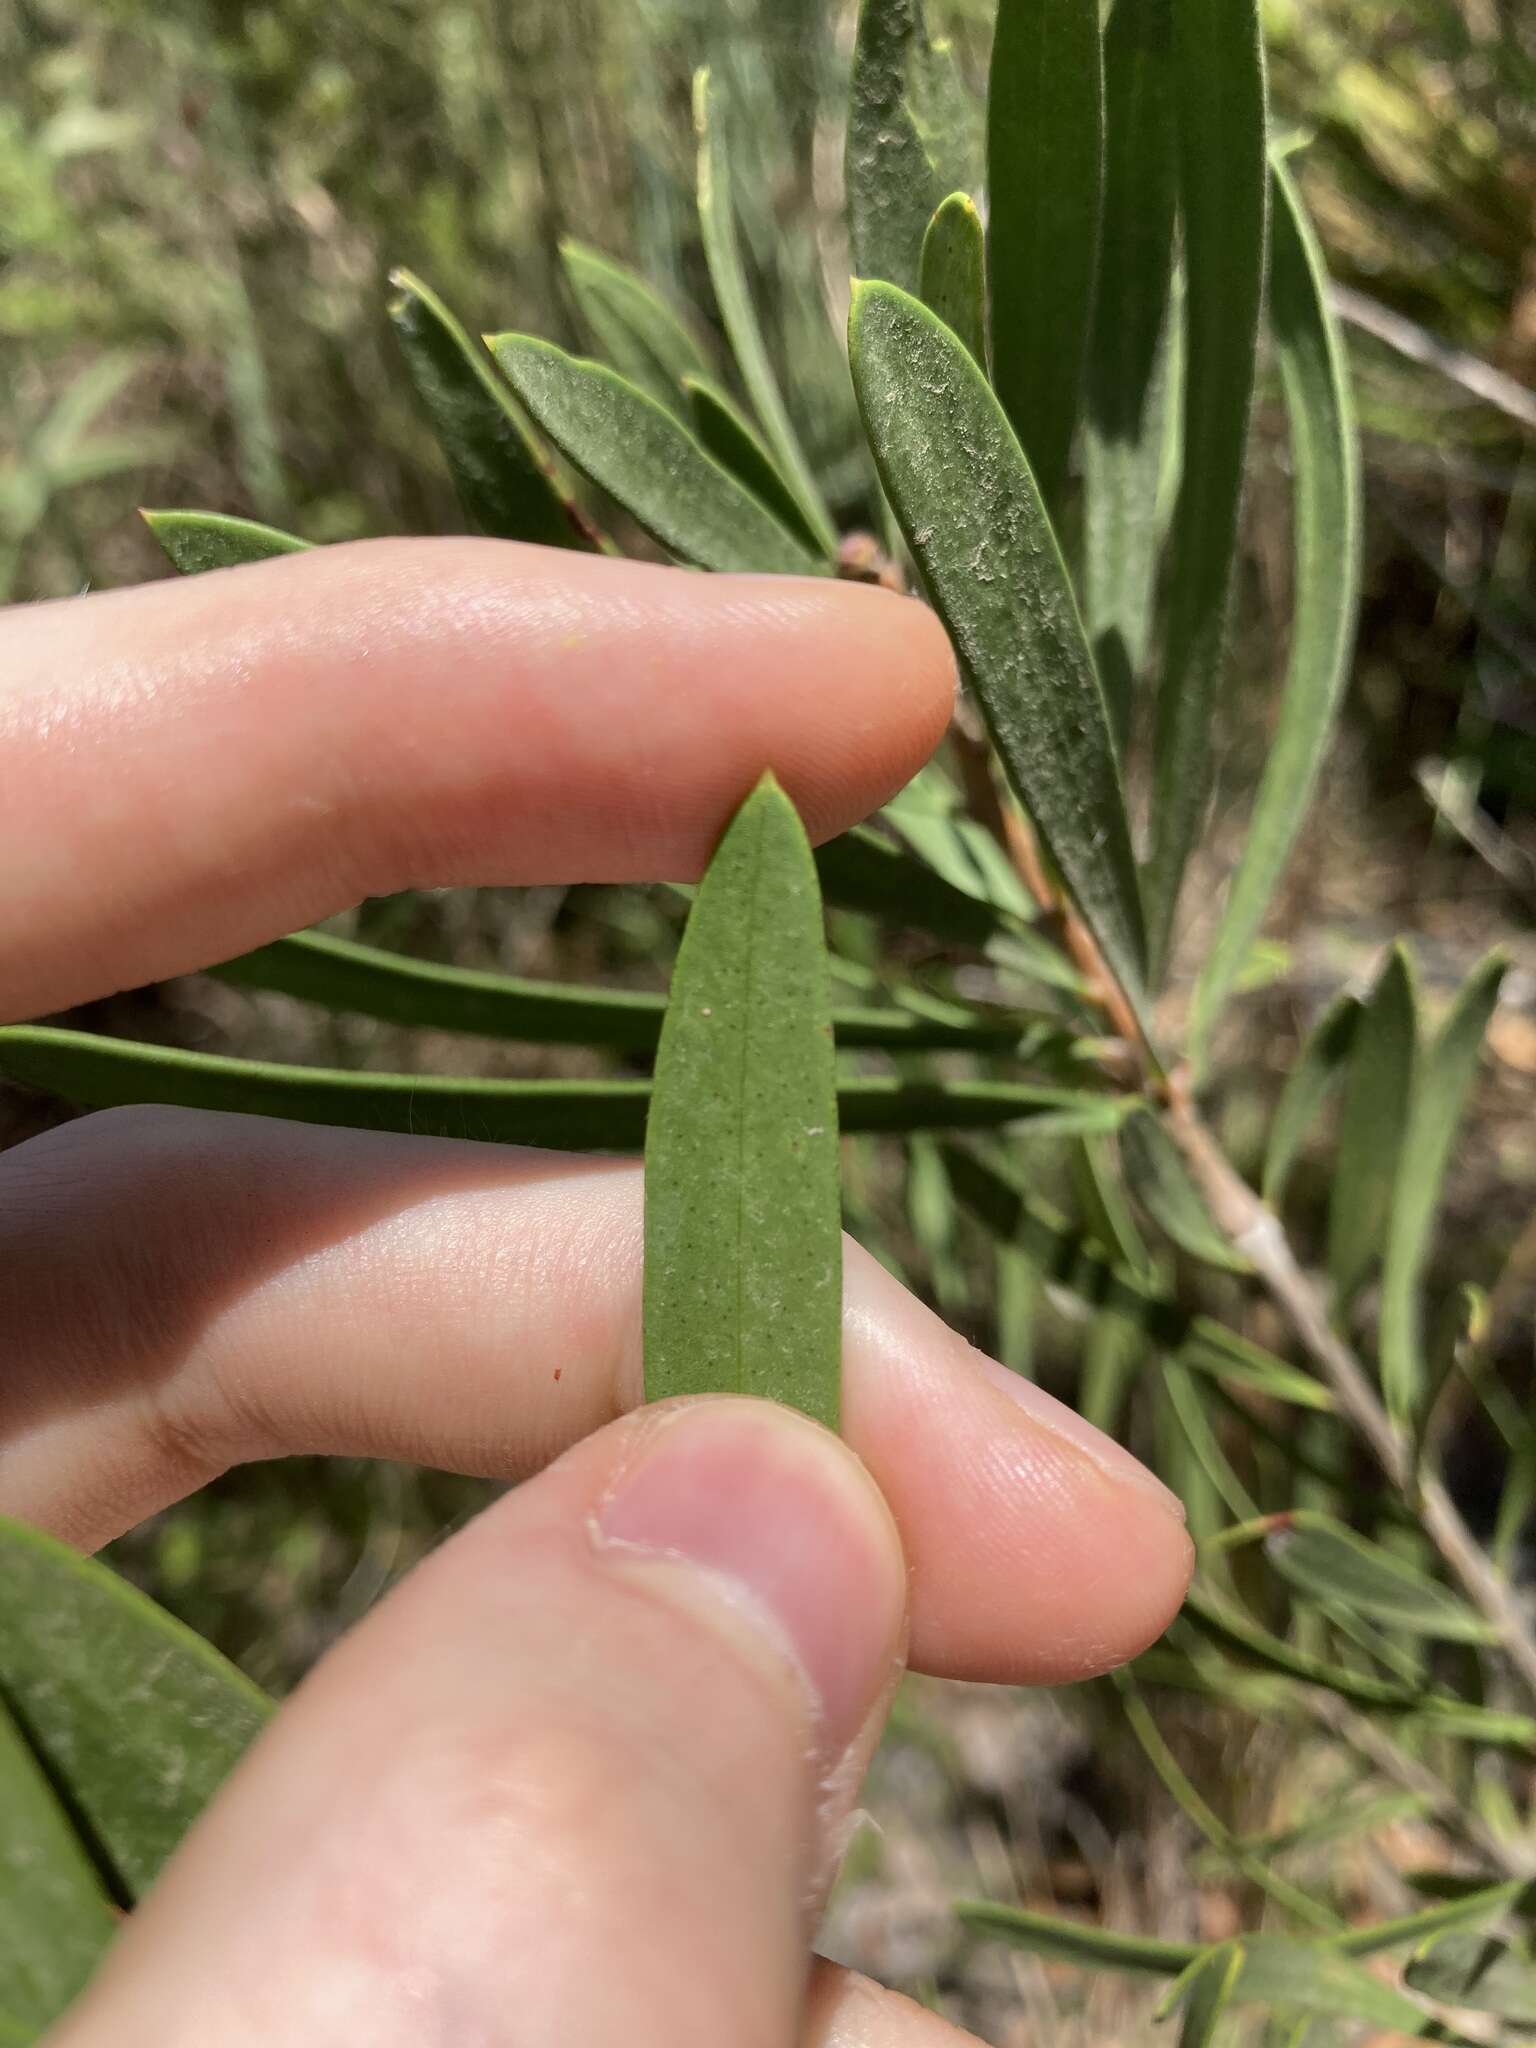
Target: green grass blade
x,y
1325,460
55,1918
725,432
1379,1084
198,541
1075,1941
1319,1065
632,324
369,982
893,182
1129,356
1445,1079
582,1116
1220,101
743,1227
728,274
506,482
1045,176
983,541
954,272
645,458
134,1717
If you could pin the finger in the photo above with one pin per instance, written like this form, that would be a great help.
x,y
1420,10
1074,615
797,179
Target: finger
x,y
183,1292
580,1780
194,768
844,2010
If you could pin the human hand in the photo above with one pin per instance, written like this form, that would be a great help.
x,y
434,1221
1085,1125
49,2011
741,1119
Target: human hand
x,y
584,1776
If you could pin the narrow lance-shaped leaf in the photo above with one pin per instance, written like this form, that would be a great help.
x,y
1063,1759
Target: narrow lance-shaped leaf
x,y
1325,463
725,432
632,324
645,458
861,871
1208,1992
1445,1078
1479,1972
954,272
743,1230
102,1073
1325,1560
1321,1061
1377,1090
722,251
980,534
55,1918
1130,356
369,982
893,183
136,1719
1045,172
1161,1182
1218,74
198,541
505,481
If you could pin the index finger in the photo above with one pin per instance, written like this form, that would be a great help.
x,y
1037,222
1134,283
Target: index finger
x,y
195,768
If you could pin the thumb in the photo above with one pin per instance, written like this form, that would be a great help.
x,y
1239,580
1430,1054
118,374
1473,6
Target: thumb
x,y
580,1779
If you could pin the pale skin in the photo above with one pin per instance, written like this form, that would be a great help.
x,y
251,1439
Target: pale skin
x,y
584,1777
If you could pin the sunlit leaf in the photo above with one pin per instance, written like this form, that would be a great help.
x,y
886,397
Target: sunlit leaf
x,y
953,272
1445,1076
981,538
647,460
137,1720
198,541
1045,169
727,271
1325,1560
1325,464
1377,1091
743,1231
725,432
55,1917
634,327
1218,73
506,482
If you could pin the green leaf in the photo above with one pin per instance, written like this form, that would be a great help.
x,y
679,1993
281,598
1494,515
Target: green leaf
x,y
1209,1990
1318,1067
982,539
1323,1559
197,541
1219,96
743,1228
1160,1181
646,459
1377,1091
862,871
1075,1941
101,1073
505,481
1325,463
1479,1972
136,1719
722,251
894,182
55,1919
1445,1078
1478,1902
368,982
953,272
632,324
725,432
1045,170
1129,358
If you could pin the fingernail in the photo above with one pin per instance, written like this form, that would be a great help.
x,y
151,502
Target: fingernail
x,y
1112,1460
786,1528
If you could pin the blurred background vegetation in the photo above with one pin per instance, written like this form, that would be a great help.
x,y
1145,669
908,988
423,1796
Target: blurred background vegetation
x,y
199,203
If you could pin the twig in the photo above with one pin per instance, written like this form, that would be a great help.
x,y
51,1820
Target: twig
x,y
1478,379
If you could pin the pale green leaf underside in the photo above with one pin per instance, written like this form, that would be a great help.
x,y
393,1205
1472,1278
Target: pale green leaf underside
x,y
195,542
1319,1065
743,1230
954,272
1045,172
137,1718
1325,462
505,481
1378,1087
1479,1972
1326,1561
647,460
632,324
979,532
